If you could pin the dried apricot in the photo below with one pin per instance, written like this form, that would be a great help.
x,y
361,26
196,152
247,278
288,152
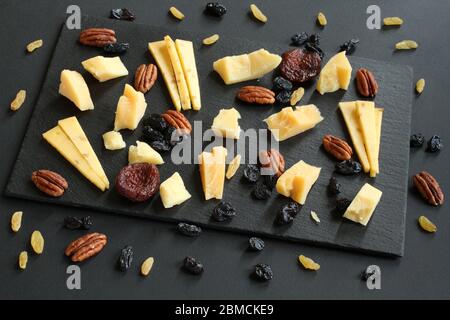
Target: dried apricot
x,y
300,65
138,182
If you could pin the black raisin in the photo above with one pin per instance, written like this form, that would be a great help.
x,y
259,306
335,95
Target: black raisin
x,y
116,48
281,84
151,134
224,211
334,187
263,272
126,258
160,145
366,275
256,244
74,223
435,144
284,97
287,213
348,167
122,14
156,122
174,136
262,191
215,9
191,265
341,205
189,230
270,181
299,39
416,140
349,46
87,222
314,39
316,49
252,173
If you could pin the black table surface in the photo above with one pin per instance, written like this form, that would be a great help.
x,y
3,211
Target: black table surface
x,y
421,274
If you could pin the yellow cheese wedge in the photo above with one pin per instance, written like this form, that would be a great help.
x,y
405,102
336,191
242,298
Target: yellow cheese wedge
x,y
226,124
104,69
335,75
61,142
130,109
178,72
212,172
363,205
350,115
73,130
173,192
378,125
159,52
366,117
143,153
186,54
74,88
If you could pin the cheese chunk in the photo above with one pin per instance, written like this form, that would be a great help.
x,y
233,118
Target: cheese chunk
x,y
288,123
366,117
104,69
226,124
254,65
297,181
335,75
363,205
173,192
159,52
130,109
212,172
143,153
185,51
113,140
74,88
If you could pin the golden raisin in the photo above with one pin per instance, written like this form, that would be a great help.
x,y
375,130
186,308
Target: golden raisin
x,y
19,100
321,19
257,13
146,266
16,221
34,45
406,45
37,242
308,263
23,259
427,225
211,40
420,86
297,95
176,13
392,21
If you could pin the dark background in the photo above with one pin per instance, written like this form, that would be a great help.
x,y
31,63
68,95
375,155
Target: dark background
x,y
421,273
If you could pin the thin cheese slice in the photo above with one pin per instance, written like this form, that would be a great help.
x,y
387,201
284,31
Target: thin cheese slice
x,y
378,125
159,52
61,142
212,172
366,116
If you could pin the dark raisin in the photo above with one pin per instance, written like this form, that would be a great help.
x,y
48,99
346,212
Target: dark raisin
x,y
263,272
349,46
314,39
189,230
122,14
151,134
280,84
174,136
256,244
261,191
74,223
315,49
224,211
252,173
366,275
156,122
416,140
341,205
270,181
116,48
191,265
299,39
87,222
287,213
435,144
126,258
161,145
334,187
215,9
283,97
348,167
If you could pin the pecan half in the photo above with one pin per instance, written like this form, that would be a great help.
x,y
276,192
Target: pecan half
x,y
366,84
177,120
337,147
85,247
273,160
256,94
429,188
49,182
97,37
145,77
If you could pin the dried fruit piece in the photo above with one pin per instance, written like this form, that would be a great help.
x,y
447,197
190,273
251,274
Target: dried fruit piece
x,y
34,45
334,187
122,14
287,213
252,173
420,85
299,39
37,242
86,247
176,13
263,272
76,223
138,182
427,225
211,40
19,100
126,258
315,217
189,230
417,140
147,266
192,266
215,9
23,259
297,95
224,211
300,65
435,144
392,21
341,205
257,13
256,244
406,45
348,167
283,97
16,221
321,19
281,84
116,48
156,122
308,263
349,46
261,191
233,167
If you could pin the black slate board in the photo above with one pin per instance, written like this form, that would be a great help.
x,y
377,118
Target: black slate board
x,y
383,235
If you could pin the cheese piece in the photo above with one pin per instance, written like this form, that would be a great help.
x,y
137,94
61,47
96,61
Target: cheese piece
x,y
233,167
234,69
173,192
159,52
363,205
61,142
74,88
335,75
143,153
212,172
297,181
378,124
130,109
104,69
113,140
288,123
226,124
349,113
178,72
73,130
366,117
185,51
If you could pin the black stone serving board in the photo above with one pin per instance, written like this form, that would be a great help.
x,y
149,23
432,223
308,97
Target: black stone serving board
x,y
385,232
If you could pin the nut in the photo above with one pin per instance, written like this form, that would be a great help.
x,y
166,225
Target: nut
x,y
85,247
366,83
97,37
256,94
429,188
273,160
177,120
49,182
145,77
337,147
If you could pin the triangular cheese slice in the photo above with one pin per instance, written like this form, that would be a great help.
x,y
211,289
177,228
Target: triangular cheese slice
x,y
378,122
366,117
